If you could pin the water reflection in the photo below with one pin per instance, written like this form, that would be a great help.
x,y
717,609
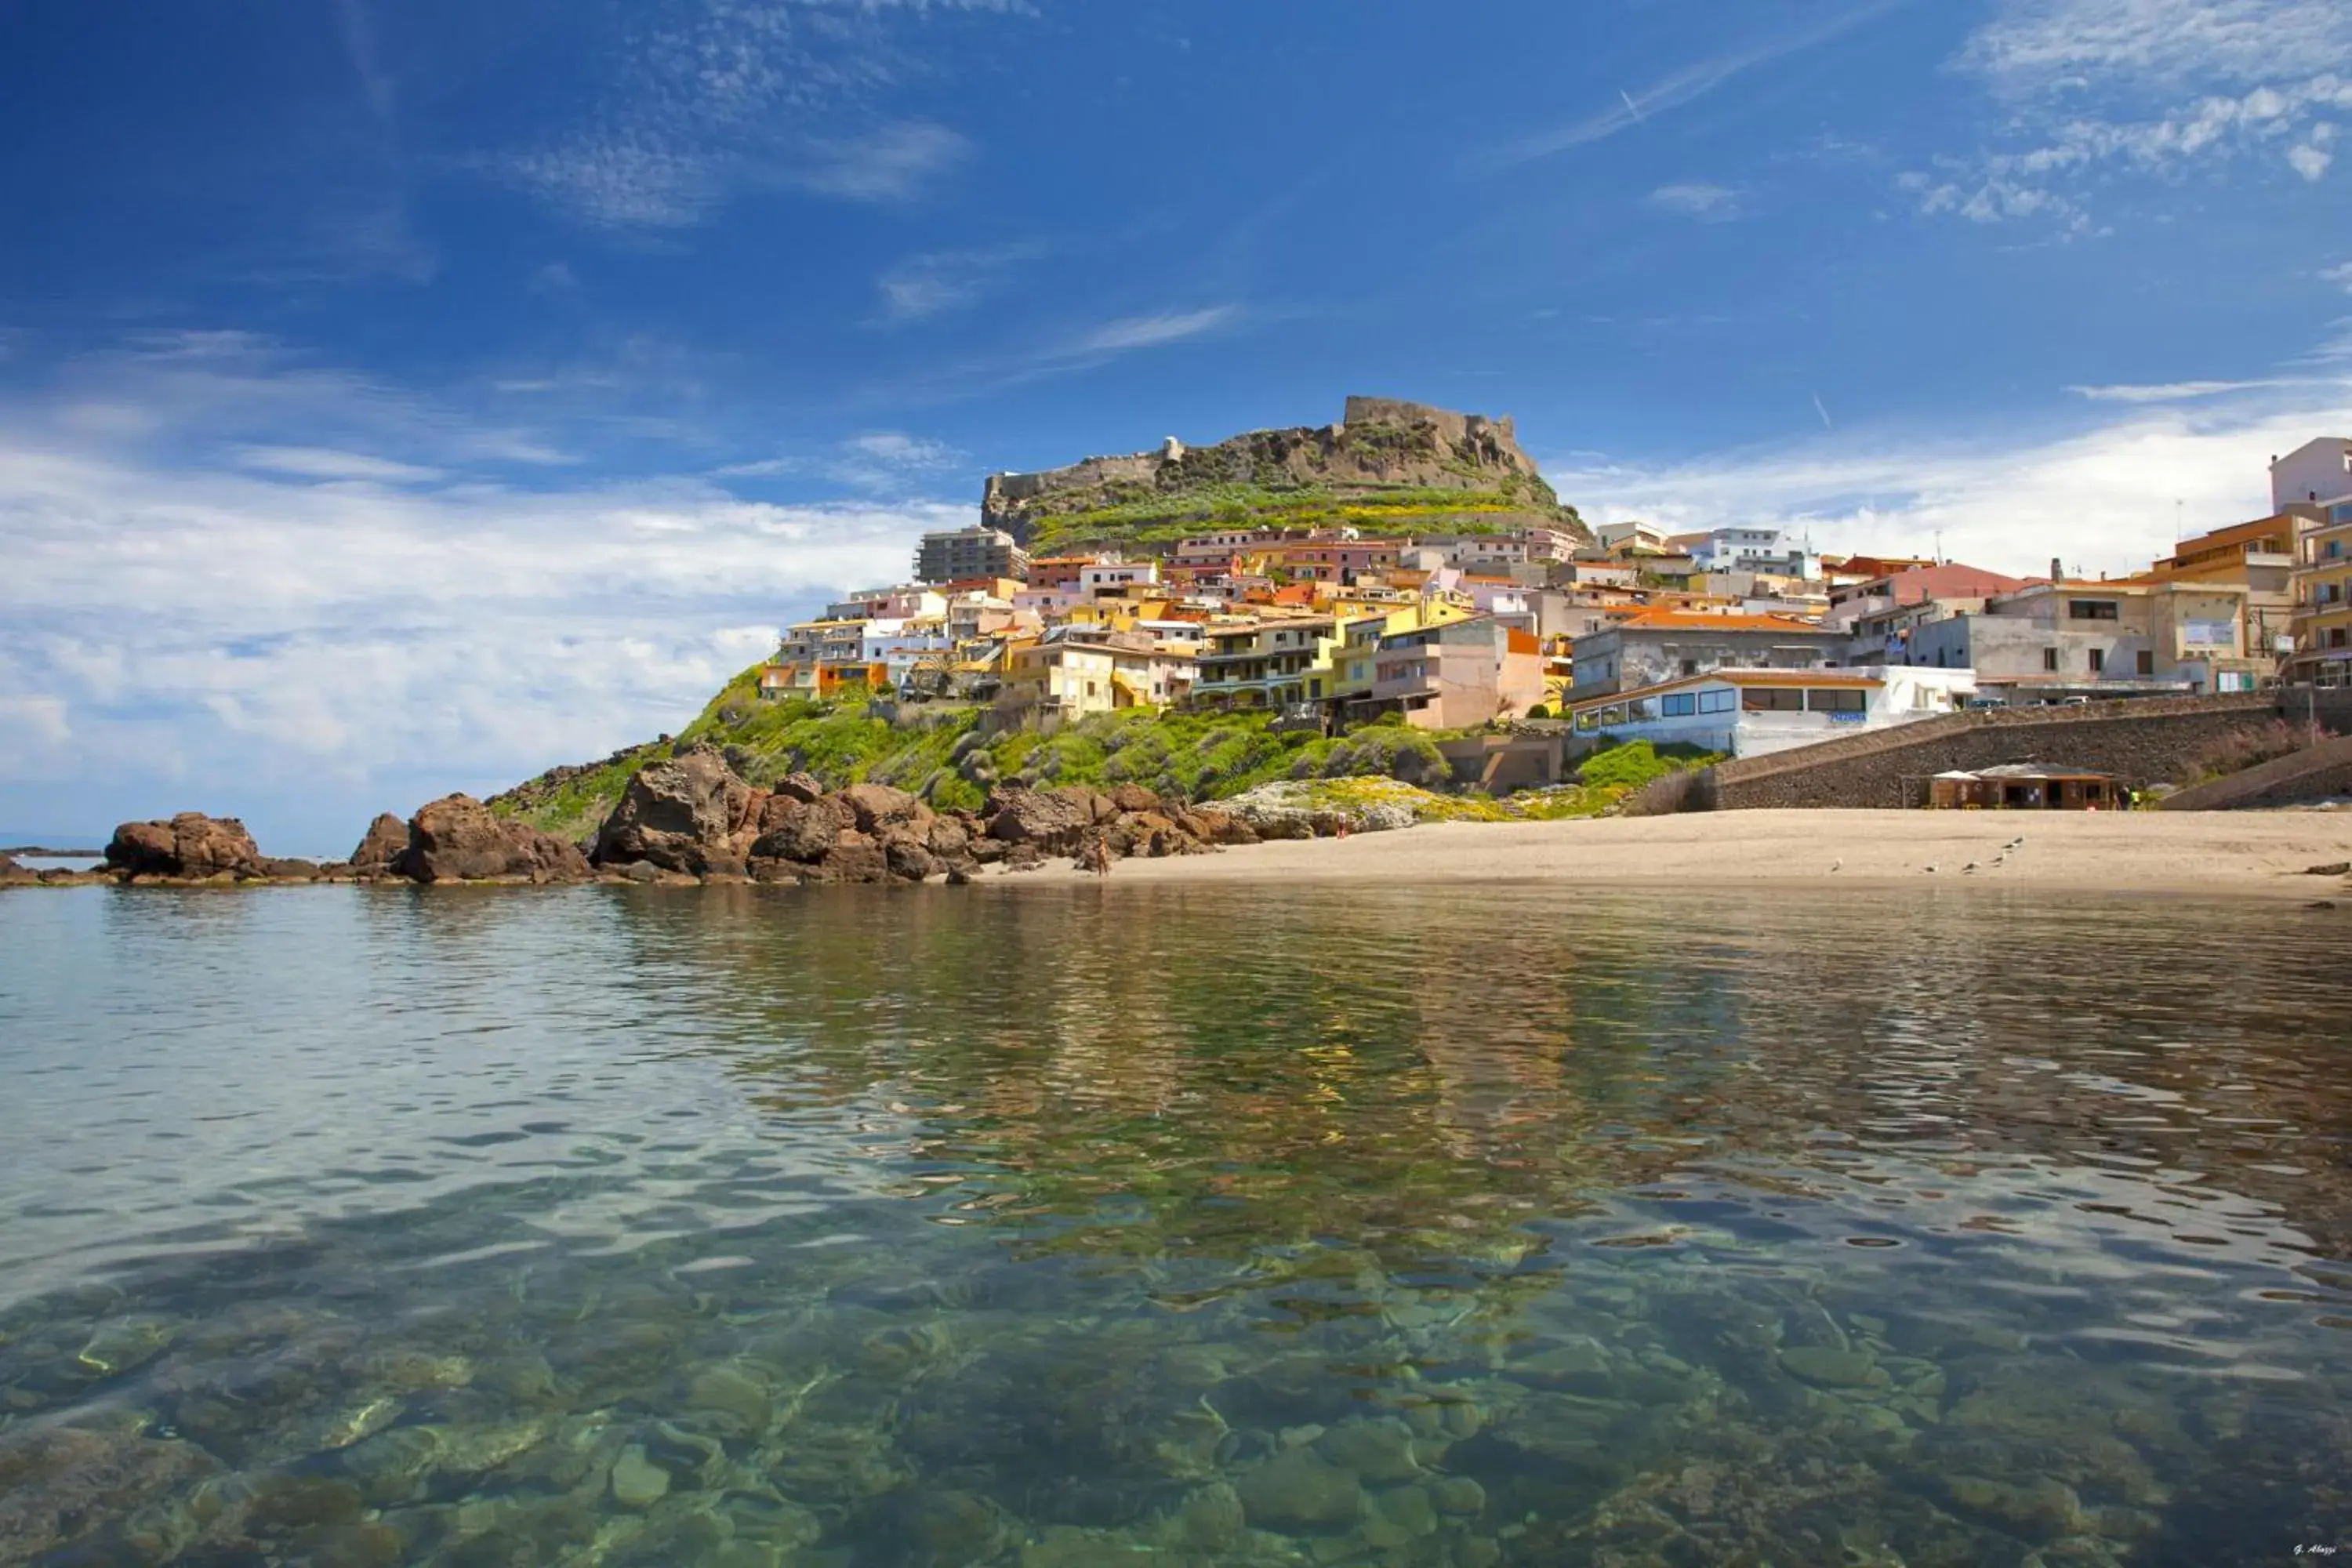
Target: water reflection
x,y
1072,1224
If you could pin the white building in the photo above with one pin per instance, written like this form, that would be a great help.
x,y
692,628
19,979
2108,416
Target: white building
x,y
2317,473
1115,575
1764,550
1751,712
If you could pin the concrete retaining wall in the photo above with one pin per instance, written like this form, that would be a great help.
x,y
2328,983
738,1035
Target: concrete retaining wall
x,y
2140,742
2319,773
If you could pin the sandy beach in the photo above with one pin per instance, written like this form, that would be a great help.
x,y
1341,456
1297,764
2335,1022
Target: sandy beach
x,y
2206,854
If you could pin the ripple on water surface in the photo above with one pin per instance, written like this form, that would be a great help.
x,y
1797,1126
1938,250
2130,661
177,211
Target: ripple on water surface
x,y
1079,1224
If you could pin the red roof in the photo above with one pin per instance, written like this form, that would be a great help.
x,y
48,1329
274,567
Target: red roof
x,y
1951,581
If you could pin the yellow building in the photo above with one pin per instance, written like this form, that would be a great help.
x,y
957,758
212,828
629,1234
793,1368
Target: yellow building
x,y
2258,556
1076,676
2322,604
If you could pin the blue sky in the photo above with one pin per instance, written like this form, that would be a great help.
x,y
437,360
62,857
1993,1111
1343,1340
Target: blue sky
x,y
403,398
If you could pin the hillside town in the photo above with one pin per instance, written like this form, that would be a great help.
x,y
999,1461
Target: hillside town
x,y
1739,640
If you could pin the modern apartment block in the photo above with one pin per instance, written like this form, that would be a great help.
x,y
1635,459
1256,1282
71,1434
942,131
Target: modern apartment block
x,y
958,553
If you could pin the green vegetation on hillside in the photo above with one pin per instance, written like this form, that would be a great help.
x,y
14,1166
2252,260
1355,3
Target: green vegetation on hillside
x,y
1157,518
946,760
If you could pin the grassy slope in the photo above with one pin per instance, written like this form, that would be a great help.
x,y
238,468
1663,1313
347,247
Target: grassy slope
x,y
1197,756
1165,520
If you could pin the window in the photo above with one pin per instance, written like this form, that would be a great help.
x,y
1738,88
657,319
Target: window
x,y
2148,661
2098,659
2335,636
2091,609
1718,702
1772,699
1837,702
1690,666
2050,659
1678,704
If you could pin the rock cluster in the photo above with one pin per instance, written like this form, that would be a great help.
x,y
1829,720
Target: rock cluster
x,y
691,817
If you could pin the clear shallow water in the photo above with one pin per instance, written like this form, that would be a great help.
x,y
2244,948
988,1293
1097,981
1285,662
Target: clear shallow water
x,y
1107,1224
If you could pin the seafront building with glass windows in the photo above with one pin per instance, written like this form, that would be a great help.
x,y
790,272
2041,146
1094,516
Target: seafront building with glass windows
x,y
1750,712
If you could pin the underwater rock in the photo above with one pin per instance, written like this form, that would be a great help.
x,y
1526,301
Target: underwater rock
x,y
1212,1518
733,1404
1380,1452
56,1482
637,1481
2042,1509
1458,1495
1298,1492
125,1344
1829,1367
1410,1508
949,1529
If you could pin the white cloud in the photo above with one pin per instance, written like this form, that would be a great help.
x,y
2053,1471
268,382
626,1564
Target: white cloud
x,y
704,98
325,463
1150,332
2167,392
2340,274
1697,199
893,165
194,639
197,622
902,451
1685,86
2154,87
2104,498
930,285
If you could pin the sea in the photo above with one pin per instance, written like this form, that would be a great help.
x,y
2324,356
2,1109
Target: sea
x,y
1090,1224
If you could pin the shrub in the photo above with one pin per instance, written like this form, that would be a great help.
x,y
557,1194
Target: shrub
x,y
1630,764
2249,745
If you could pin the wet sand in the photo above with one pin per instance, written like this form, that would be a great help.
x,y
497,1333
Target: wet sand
x,y
2204,854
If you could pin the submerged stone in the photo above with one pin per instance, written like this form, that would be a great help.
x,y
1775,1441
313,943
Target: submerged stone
x,y
1298,1492
1379,1451
1829,1367
637,1481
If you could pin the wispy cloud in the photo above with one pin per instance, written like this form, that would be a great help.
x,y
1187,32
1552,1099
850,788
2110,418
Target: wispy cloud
x,y
2154,87
710,97
326,463
942,282
2340,274
1699,199
2169,391
1153,331
1681,87
892,165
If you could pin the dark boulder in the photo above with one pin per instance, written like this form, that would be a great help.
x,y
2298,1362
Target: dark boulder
x,y
1134,797
801,831
854,862
908,858
681,815
949,839
877,806
802,788
190,844
457,839
382,848
288,870
1051,820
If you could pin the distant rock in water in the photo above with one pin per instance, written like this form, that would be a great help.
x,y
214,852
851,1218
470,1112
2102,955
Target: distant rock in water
x,y
382,849
456,839
190,846
12,874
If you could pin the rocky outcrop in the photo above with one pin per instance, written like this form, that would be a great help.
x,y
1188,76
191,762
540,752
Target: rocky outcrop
x,y
1052,820
13,875
191,846
683,814
457,839
1381,446
381,849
